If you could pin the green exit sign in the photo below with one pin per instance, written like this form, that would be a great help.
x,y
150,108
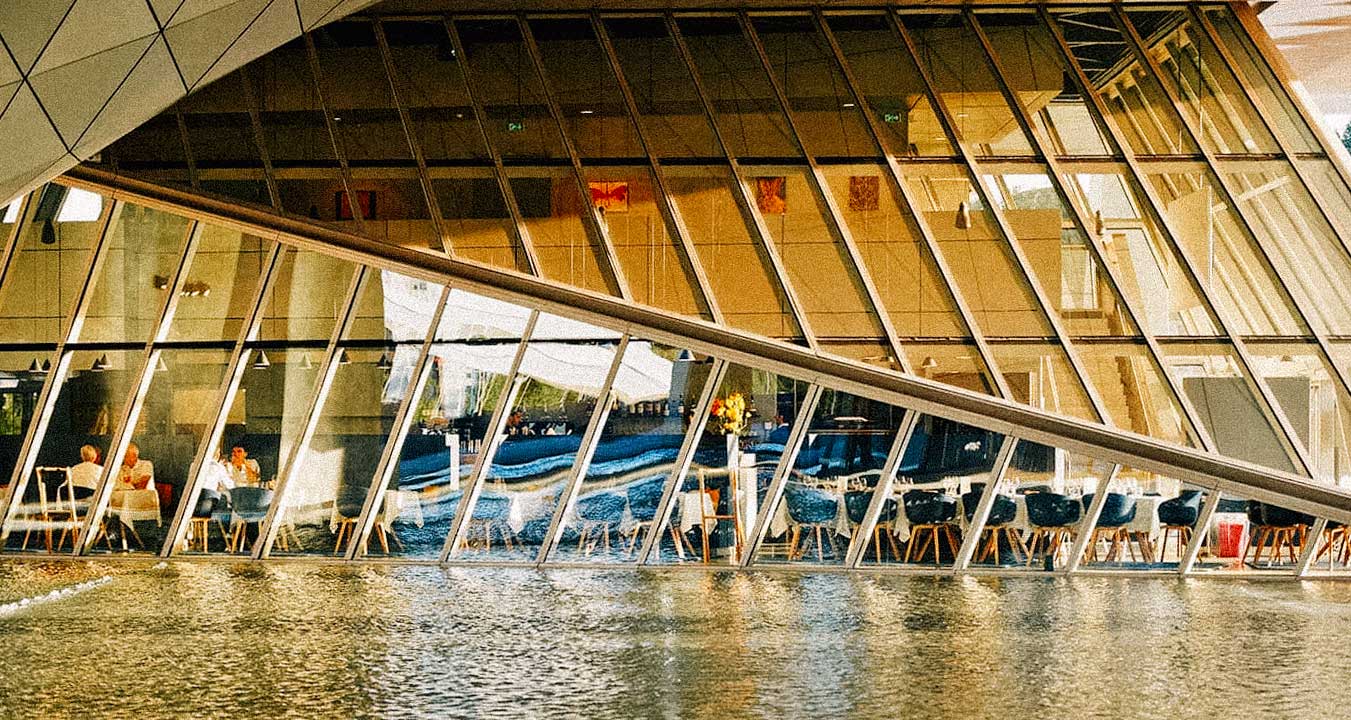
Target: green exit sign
x,y
891,117
515,125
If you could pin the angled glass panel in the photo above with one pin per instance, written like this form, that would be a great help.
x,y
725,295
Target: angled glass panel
x,y
1314,401
1060,256
889,241
656,269
22,375
469,363
1231,272
432,90
151,477
221,137
958,364
504,78
262,424
328,486
1303,247
561,383
1195,72
50,263
153,151
921,523
669,109
1226,403
89,402
392,307
584,85
296,134
1148,270
818,265
1135,393
1026,53
1040,375
742,440
356,91
394,205
982,263
1330,190
220,286
305,295
738,269
748,113
1253,538
890,85
831,481
1145,524
475,218
144,250
635,456
962,78
823,109
1134,99
551,208
1255,77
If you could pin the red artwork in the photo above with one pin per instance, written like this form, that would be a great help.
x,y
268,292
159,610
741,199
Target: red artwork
x,y
610,196
863,193
365,199
771,195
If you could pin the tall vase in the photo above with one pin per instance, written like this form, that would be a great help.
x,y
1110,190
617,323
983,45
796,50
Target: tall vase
x,y
733,452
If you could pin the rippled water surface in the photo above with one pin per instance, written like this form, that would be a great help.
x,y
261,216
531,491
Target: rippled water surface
x,y
211,640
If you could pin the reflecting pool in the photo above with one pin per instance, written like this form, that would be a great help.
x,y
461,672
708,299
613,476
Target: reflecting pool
x,y
214,640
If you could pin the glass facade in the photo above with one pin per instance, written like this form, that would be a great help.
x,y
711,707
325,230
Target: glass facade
x,y
1113,216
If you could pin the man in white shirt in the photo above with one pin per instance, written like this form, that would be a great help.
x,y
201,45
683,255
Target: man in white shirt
x,y
243,469
84,478
135,473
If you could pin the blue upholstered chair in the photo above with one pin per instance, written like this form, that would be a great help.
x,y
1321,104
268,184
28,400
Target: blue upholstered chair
x,y
597,514
1118,511
248,506
1002,512
490,517
1178,518
814,509
931,515
856,504
1053,517
644,501
1277,528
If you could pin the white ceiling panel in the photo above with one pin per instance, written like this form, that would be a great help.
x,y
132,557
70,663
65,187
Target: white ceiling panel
x,y
94,25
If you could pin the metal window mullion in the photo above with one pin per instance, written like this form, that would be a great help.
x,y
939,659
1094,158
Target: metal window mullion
x,y
260,137
339,149
229,387
1089,523
1311,541
1005,229
414,144
11,240
182,124
1281,71
976,526
98,503
858,545
328,368
572,483
835,221
1154,206
595,229
911,207
393,446
1188,559
492,440
51,389
1081,223
665,203
1295,445
775,493
518,225
741,194
688,446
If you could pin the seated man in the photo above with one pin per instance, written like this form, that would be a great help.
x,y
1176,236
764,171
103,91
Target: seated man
x,y
243,469
84,478
135,473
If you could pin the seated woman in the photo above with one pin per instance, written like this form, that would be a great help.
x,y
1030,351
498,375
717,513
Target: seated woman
x,y
84,478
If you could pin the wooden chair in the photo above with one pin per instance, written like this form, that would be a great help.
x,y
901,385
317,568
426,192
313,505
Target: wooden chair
x,y
714,516
932,514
